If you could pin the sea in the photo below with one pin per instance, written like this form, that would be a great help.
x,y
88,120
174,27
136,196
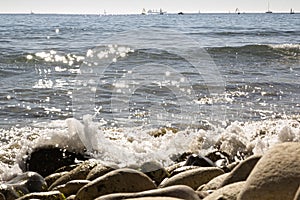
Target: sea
x,y
128,89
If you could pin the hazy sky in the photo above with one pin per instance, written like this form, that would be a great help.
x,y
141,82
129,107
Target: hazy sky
x,y
136,6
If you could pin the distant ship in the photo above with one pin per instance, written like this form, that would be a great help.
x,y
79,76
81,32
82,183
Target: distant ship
x,y
269,11
292,12
144,11
155,12
32,13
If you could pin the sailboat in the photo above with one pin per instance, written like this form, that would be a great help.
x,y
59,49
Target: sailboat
x,y
292,12
144,11
269,11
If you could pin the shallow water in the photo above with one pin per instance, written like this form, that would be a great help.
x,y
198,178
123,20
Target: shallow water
x,y
113,80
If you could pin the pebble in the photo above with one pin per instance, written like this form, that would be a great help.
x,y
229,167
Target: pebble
x,y
241,171
228,192
80,172
52,195
71,187
194,177
178,191
120,180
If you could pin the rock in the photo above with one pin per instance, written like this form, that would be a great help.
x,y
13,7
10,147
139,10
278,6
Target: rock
x,y
213,184
20,185
79,173
53,195
242,171
120,180
46,160
183,169
71,187
71,197
276,175
155,171
53,177
178,191
228,192
155,198
194,177
98,171
198,160
297,196
171,168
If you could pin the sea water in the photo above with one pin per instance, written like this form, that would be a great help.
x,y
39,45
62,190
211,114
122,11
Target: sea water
x,y
127,89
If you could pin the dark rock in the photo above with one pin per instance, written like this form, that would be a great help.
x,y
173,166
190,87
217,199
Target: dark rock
x,y
46,160
20,185
120,180
155,171
178,191
198,160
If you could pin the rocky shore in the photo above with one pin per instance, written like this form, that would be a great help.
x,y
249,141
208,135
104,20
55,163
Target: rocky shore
x,y
54,174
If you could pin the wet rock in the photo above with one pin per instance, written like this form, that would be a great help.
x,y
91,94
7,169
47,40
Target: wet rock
x,y
276,175
297,196
213,184
53,195
178,191
242,171
71,197
80,172
171,168
71,187
39,160
98,171
20,185
53,177
194,177
120,180
228,192
155,171
67,168
198,160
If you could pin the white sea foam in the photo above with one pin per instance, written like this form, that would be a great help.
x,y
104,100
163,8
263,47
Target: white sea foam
x,y
126,146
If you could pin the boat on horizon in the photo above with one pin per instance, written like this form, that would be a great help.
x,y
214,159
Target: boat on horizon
x,y
155,12
292,11
269,11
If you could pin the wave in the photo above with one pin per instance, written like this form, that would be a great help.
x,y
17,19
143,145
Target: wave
x,y
136,145
275,50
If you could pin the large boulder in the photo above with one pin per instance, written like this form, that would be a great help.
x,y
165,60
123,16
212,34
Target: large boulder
x,y
120,180
194,177
178,191
276,175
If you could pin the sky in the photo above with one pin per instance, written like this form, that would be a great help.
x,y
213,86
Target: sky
x,y
136,6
